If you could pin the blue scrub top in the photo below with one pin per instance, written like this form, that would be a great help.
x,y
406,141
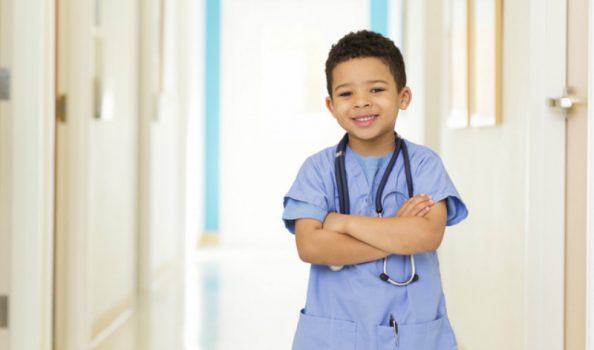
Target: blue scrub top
x,y
351,308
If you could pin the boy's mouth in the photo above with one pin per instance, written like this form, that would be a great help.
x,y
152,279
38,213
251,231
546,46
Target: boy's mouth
x,y
364,120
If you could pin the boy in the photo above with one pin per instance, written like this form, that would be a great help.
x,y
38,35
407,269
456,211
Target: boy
x,y
374,279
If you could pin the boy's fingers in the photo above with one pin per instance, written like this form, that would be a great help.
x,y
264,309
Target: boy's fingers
x,y
424,211
421,205
418,201
408,208
418,205
420,210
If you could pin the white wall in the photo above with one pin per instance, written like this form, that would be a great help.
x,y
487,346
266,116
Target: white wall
x,y
166,154
192,35
485,259
482,258
192,81
113,170
272,105
163,133
411,122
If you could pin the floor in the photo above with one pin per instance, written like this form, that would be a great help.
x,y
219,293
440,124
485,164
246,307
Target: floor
x,y
227,298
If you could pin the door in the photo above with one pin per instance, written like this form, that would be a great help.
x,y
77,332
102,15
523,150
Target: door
x,y
97,170
557,310
513,179
5,193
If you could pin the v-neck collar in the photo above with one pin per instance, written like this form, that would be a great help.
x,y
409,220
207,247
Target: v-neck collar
x,y
355,170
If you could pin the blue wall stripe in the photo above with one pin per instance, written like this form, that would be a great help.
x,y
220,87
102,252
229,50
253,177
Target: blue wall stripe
x,y
379,16
212,111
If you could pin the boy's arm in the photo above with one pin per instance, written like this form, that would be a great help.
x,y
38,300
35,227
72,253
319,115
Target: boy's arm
x,y
396,235
319,244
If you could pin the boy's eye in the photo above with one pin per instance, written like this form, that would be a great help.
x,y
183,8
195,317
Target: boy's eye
x,y
377,89
344,94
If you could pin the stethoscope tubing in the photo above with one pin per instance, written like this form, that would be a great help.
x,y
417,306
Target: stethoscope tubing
x,y
344,201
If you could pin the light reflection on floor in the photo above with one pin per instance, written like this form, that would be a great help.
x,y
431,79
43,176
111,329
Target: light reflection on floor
x,y
249,299
228,298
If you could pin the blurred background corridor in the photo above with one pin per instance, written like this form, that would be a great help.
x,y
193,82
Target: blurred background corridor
x,y
146,146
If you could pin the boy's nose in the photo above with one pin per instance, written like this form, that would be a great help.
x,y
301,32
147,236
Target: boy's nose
x,y
362,103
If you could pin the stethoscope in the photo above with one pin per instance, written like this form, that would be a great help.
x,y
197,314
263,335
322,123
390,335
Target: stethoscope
x,y
343,195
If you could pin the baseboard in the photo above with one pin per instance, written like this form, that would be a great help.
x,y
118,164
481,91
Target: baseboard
x,y
209,239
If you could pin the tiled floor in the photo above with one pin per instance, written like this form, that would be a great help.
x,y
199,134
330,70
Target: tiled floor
x,y
228,298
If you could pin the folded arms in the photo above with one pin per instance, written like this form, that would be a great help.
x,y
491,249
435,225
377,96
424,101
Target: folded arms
x,y
417,227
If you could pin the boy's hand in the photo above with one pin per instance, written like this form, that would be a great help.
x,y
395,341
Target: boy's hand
x,y
419,205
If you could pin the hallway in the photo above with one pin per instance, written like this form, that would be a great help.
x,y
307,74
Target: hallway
x,y
146,147
228,298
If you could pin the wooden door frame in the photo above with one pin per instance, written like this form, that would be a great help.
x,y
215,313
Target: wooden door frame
x,y
5,168
590,189
72,324
32,174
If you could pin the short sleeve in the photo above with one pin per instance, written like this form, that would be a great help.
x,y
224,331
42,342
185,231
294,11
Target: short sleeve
x,y
431,177
309,194
300,210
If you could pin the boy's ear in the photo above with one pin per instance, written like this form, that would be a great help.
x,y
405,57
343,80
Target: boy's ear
x,y
330,104
405,97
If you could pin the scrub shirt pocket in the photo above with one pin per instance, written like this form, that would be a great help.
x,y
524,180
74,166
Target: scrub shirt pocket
x,y
433,335
324,333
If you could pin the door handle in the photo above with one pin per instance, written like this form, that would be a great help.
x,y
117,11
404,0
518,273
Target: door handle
x,y
3,311
4,84
565,102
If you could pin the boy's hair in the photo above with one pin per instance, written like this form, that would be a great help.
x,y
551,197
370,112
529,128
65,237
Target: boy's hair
x,y
362,44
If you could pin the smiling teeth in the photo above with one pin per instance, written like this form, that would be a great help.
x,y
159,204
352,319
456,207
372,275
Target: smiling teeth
x,y
365,119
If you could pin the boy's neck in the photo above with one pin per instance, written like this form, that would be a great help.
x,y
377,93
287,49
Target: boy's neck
x,y
373,148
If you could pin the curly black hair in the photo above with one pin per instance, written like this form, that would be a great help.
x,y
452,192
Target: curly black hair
x,y
365,43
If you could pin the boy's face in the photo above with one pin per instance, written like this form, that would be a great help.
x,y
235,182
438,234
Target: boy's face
x,y
365,101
